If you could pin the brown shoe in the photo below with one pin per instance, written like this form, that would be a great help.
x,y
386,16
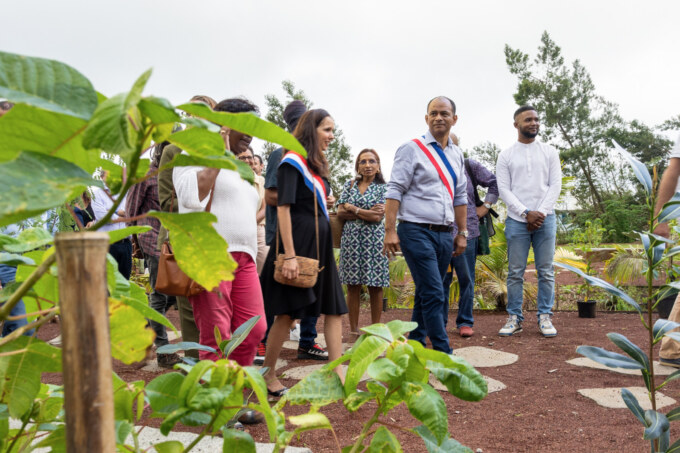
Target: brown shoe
x,y
466,331
168,360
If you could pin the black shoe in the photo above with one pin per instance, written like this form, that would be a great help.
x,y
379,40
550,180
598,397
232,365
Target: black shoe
x,y
316,352
675,363
168,360
251,417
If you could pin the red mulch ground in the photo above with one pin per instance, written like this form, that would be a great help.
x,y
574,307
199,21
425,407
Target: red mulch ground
x,y
540,410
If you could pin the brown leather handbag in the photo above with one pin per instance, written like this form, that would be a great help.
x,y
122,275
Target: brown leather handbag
x,y
171,280
308,268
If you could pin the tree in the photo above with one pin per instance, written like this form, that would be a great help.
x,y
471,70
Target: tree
x,y
487,154
338,153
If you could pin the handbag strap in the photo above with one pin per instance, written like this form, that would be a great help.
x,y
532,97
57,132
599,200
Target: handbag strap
x,y
316,227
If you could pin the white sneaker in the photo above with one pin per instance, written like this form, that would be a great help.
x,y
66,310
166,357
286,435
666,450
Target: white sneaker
x,y
545,325
512,326
295,333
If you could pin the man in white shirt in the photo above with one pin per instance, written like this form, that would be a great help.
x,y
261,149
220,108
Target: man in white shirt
x,y
669,354
529,181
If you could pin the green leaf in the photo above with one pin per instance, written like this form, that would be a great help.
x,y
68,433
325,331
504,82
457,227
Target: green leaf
x,y
56,440
193,379
661,327
594,281
240,334
629,348
247,123
379,330
169,446
433,446
237,441
384,442
30,239
162,393
633,405
20,373
193,235
110,128
670,210
309,421
27,128
117,235
184,346
640,170
226,161
129,336
656,423
426,405
197,141
45,292
608,358
33,183
172,419
123,430
146,311
14,260
357,399
47,84
319,388
206,399
399,327
158,110
369,349
672,415
124,397
118,285
385,370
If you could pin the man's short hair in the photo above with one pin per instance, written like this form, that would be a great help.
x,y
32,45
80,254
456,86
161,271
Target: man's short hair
x,y
257,156
522,109
453,104
236,105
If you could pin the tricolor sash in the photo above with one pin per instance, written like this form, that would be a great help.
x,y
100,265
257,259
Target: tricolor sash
x,y
312,181
450,181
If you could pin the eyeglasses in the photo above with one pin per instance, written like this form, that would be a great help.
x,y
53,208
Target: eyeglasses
x,y
243,158
368,161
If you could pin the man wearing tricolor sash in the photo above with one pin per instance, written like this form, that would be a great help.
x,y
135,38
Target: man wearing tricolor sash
x,y
427,194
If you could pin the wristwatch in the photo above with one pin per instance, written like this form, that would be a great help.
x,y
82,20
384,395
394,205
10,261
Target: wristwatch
x,y
463,233
525,213
487,205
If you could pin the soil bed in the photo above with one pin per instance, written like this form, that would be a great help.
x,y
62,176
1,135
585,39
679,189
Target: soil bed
x,y
540,410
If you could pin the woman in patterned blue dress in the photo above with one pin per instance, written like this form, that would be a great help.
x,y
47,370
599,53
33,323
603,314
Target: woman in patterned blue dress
x,y
362,206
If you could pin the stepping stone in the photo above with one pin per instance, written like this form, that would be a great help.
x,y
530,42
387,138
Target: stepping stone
x,y
492,384
279,364
611,397
480,357
659,369
301,372
172,336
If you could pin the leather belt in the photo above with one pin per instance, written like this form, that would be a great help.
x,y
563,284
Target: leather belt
x,y
431,227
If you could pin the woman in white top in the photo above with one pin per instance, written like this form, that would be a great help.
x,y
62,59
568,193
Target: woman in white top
x,y
235,204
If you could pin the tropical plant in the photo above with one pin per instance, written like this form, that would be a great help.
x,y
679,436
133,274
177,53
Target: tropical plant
x,y
657,250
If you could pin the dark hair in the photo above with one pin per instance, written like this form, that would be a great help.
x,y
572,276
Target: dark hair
x,y
523,109
256,156
6,105
157,153
453,104
305,132
236,105
378,176
207,100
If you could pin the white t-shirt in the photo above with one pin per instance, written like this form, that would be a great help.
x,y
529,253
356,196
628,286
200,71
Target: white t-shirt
x,y
675,152
529,177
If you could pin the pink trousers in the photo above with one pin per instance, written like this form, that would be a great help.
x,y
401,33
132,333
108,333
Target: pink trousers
x,y
240,300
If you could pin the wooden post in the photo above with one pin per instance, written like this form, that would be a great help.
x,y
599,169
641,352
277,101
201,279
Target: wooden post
x,y
86,350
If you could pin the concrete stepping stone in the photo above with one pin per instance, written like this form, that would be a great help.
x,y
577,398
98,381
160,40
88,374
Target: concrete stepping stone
x,y
611,397
659,369
280,363
481,357
172,336
301,372
492,384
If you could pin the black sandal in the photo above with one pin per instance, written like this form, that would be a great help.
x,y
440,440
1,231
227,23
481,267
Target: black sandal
x,y
278,393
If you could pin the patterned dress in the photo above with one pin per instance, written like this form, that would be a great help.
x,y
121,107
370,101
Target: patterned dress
x,y
361,258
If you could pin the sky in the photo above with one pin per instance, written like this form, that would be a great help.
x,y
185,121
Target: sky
x,y
372,64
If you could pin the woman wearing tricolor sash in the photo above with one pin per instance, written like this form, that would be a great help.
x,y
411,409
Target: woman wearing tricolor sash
x,y
298,178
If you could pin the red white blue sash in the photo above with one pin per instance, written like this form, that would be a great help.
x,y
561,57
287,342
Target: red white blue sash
x,y
312,181
450,181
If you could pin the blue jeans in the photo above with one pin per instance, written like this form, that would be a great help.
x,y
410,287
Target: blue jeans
x,y
307,332
427,254
7,275
519,240
464,265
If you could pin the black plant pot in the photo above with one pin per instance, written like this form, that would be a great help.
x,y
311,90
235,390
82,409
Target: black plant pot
x,y
586,308
665,306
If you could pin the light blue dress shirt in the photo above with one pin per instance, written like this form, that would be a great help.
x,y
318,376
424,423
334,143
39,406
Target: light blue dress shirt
x,y
416,184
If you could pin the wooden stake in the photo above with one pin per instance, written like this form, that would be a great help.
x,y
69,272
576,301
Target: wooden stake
x,y
86,350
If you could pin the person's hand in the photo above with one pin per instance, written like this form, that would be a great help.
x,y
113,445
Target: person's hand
x,y
350,209
379,208
459,245
482,211
391,244
531,227
535,218
330,201
290,268
120,213
89,224
663,229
